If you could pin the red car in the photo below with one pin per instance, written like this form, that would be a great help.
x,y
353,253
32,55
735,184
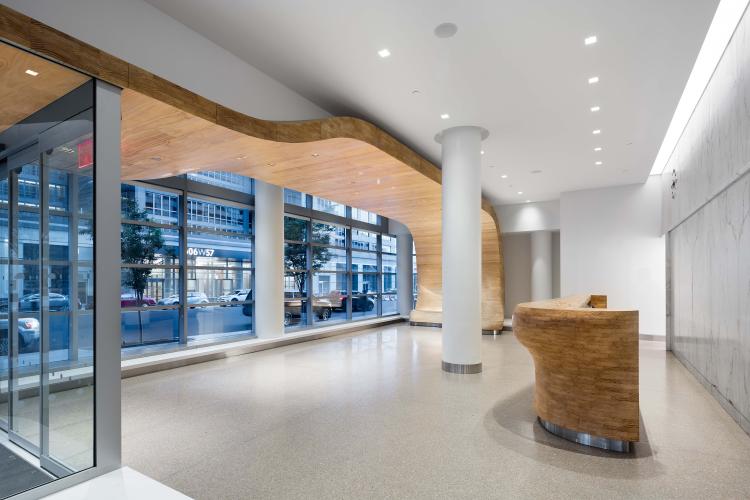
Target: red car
x,y
132,301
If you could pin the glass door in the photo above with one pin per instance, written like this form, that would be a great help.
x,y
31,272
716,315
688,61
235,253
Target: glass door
x,y
25,299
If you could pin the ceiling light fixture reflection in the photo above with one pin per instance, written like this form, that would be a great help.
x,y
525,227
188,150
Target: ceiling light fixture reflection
x,y
597,149
32,72
445,116
504,176
594,79
598,163
481,152
520,192
384,53
590,40
528,201
594,109
596,132
728,15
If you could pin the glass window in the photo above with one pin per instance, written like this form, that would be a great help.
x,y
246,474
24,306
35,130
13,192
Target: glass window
x,y
389,263
218,286
388,243
295,228
295,198
226,180
328,206
328,259
389,283
149,245
219,250
390,304
364,240
295,256
364,283
365,262
329,297
365,216
329,234
138,203
218,217
364,306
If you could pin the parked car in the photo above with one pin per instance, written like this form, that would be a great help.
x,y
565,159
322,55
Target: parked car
x,y
359,303
57,302
322,308
192,299
235,296
129,300
28,335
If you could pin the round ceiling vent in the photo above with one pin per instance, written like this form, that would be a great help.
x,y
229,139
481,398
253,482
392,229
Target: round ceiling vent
x,y
446,30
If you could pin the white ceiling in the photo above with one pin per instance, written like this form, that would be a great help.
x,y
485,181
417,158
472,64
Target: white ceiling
x,y
516,67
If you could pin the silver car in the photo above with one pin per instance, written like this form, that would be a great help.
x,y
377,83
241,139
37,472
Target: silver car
x,y
28,335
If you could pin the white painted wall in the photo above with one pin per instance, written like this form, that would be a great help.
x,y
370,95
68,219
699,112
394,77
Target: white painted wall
x,y
611,244
517,266
143,35
540,216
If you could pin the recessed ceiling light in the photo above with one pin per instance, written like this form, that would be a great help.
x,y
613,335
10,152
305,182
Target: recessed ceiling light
x,y
32,72
520,192
598,148
598,163
445,116
590,40
594,79
315,155
384,53
596,132
594,109
378,181
504,176
481,152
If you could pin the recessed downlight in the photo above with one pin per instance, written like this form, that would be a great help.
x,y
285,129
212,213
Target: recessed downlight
x,y
594,109
590,40
384,53
504,176
481,152
594,79
520,192
598,163
445,116
598,148
31,72
596,132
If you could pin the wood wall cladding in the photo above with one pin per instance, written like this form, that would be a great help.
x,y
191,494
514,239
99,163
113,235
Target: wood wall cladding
x,y
168,130
586,365
21,94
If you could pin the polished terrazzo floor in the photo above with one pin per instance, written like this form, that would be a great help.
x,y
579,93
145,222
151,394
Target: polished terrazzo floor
x,y
371,415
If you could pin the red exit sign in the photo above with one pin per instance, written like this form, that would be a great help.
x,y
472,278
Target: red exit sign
x,y
86,153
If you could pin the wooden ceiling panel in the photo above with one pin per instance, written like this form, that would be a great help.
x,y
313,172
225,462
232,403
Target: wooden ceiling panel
x,y
160,140
21,94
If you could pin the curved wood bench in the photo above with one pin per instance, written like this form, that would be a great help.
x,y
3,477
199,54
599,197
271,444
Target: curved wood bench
x,y
586,364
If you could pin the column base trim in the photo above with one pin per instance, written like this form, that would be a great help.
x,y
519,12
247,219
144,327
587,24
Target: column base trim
x,y
584,438
425,323
461,368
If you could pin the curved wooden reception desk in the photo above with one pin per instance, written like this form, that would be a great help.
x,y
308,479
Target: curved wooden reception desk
x,y
586,363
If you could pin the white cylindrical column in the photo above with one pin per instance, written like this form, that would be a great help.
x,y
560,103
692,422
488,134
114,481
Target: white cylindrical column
x,y
462,249
541,265
269,260
405,269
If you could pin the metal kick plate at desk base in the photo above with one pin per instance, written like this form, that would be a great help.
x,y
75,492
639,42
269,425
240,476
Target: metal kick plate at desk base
x,y
586,439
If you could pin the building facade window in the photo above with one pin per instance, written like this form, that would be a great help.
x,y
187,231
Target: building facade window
x,y
187,265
